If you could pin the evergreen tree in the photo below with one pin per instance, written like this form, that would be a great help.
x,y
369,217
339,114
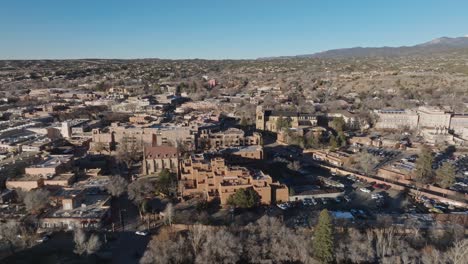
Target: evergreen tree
x,y
342,139
323,243
333,143
244,198
243,122
424,172
338,124
445,175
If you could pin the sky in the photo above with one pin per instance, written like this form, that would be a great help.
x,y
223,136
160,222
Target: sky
x,y
218,29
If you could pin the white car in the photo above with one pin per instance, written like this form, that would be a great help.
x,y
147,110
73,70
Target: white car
x,y
282,206
365,190
42,239
314,202
142,233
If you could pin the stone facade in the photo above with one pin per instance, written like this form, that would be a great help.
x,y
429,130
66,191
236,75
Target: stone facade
x,y
267,119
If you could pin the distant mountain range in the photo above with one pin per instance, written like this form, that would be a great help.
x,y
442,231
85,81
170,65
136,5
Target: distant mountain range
x,y
433,46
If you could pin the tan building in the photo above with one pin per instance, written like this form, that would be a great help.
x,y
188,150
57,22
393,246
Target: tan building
x,y
77,209
336,158
232,137
397,119
214,179
431,117
51,166
243,154
157,158
351,120
458,123
155,136
267,119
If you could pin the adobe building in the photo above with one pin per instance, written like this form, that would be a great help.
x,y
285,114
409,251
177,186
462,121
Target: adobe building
x,y
232,137
76,209
267,119
214,179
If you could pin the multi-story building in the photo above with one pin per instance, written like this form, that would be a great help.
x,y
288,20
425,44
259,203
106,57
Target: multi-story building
x,y
154,136
51,165
267,120
231,137
431,117
351,120
397,119
214,179
458,122
77,209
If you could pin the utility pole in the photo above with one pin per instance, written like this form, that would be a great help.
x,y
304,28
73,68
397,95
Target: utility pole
x,y
122,219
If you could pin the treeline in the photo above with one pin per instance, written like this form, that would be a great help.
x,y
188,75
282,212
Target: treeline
x,y
268,240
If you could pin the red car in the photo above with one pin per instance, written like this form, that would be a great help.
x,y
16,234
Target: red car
x,y
381,186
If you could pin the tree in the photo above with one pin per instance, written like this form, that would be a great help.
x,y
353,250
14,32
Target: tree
x,y
323,243
85,245
270,241
341,139
424,172
338,124
166,182
169,214
366,162
295,165
138,190
333,142
458,254
129,152
117,185
244,198
11,233
282,122
219,246
243,122
36,200
99,147
312,141
445,175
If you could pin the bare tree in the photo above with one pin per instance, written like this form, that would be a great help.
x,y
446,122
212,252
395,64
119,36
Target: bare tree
x,y
117,185
365,162
220,246
165,251
196,237
129,151
12,234
269,240
295,165
84,244
93,245
79,237
458,254
138,190
36,200
169,214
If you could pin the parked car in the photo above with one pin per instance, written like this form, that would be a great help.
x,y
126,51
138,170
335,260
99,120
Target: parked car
x,y
43,239
365,190
436,210
142,233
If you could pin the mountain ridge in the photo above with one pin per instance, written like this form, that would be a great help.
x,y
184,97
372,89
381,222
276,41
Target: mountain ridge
x,y
435,45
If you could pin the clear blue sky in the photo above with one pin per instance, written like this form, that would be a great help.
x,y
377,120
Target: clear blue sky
x,y
217,29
